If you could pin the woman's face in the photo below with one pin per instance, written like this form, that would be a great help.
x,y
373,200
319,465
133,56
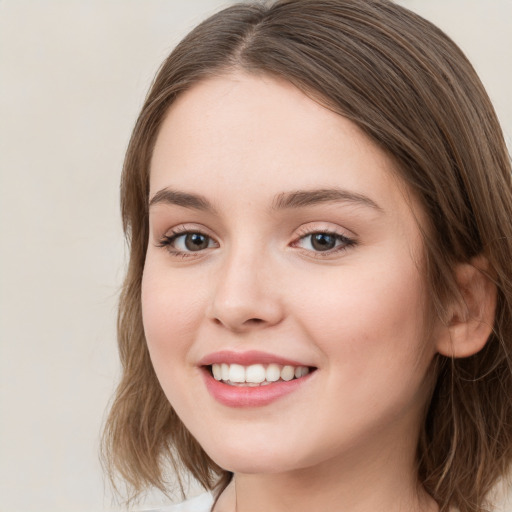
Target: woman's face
x,y
282,247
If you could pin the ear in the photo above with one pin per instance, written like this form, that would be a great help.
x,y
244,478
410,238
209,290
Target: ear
x,y
470,319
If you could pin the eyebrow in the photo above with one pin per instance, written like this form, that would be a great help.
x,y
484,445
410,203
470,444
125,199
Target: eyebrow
x,y
302,198
283,201
184,199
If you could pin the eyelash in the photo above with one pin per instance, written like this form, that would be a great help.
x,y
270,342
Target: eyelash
x,y
344,241
168,240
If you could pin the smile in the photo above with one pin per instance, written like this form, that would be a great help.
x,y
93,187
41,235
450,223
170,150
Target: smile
x,y
253,379
256,374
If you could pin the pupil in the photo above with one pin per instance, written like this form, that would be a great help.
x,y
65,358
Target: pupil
x,y
196,242
323,242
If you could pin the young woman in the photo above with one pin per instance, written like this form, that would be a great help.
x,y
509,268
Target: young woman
x,y
317,312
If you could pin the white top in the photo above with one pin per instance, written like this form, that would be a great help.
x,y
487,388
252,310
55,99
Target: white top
x,y
201,503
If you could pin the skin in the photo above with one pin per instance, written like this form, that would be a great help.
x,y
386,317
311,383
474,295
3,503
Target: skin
x,y
346,439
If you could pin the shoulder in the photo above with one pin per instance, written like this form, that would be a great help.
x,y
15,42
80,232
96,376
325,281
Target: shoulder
x,y
201,503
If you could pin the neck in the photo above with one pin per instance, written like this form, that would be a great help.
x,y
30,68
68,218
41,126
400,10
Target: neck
x,y
387,483
302,493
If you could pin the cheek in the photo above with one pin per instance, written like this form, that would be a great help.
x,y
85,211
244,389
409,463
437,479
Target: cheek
x,y
365,317
368,326
171,309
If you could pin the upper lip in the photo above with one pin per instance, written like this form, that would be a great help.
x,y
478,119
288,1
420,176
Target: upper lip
x,y
247,358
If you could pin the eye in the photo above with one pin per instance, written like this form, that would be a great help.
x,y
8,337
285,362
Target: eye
x,y
192,242
183,242
324,241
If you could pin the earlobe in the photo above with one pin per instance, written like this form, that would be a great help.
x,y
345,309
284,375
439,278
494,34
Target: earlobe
x,y
470,317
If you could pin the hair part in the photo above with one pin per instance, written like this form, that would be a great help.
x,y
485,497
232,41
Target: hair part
x,y
412,91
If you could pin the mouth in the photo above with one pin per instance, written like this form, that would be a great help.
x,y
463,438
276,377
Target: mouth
x,y
256,375
254,384
253,378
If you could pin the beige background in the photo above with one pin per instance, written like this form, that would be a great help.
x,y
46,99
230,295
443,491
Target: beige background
x,y
73,74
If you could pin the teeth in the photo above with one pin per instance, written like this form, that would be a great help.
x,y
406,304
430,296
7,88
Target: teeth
x,y
273,372
301,371
257,374
236,373
217,371
287,373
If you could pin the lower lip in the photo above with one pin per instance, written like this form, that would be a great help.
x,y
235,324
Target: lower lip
x,y
246,396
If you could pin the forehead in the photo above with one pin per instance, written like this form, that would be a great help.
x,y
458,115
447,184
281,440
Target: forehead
x,y
257,134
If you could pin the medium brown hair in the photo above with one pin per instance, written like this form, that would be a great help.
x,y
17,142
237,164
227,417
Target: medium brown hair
x,y
413,92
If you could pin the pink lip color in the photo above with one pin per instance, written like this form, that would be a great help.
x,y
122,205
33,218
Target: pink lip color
x,y
245,396
246,358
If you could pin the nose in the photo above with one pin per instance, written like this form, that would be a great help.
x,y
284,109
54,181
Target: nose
x,y
247,294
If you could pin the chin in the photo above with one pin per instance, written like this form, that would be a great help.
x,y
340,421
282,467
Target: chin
x,y
256,459
241,465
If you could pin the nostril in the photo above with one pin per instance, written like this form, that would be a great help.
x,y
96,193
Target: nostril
x,y
246,323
